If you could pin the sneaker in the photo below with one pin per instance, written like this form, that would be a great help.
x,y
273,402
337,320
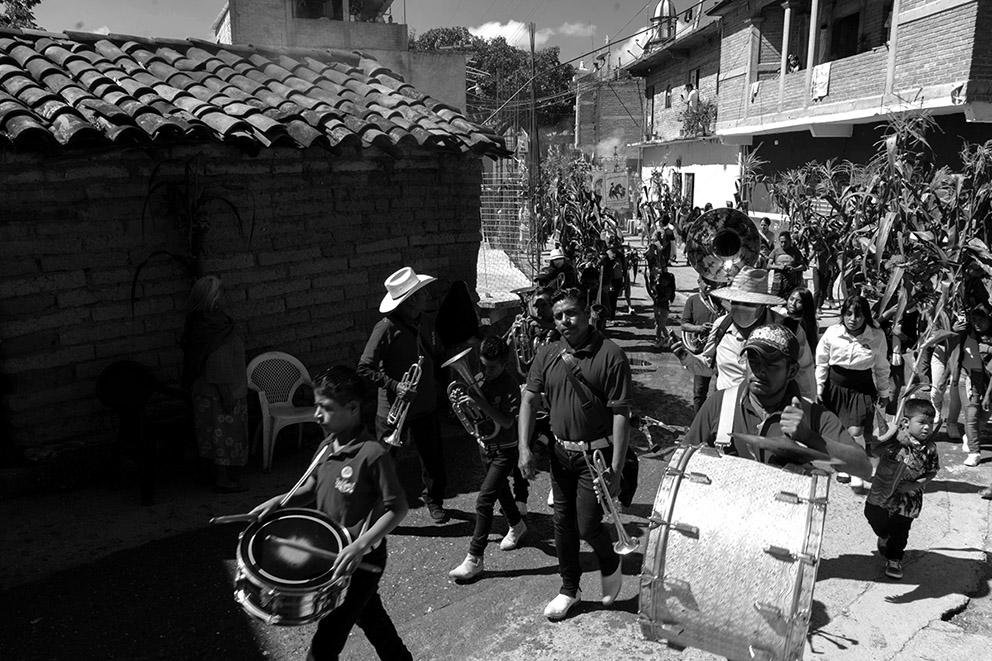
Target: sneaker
x,y
470,568
954,431
893,569
612,585
513,537
438,513
551,498
973,459
843,478
857,483
522,508
557,609
986,493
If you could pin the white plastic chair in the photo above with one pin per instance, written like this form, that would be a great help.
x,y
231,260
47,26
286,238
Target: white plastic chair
x,y
275,376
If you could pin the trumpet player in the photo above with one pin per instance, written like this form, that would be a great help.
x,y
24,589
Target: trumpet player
x,y
396,343
586,380
498,398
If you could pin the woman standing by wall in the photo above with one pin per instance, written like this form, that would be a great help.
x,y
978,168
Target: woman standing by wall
x,y
852,372
214,374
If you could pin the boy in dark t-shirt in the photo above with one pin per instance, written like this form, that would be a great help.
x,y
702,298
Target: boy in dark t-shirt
x,y
356,485
499,401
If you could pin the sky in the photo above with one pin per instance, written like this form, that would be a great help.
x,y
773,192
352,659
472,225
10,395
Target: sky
x,y
576,26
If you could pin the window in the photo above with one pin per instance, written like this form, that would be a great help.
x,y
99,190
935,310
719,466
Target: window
x,y
693,77
844,37
668,96
649,113
333,9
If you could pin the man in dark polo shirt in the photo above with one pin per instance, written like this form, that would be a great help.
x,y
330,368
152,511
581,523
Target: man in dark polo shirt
x,y
767,403
590,411
395,344
698,315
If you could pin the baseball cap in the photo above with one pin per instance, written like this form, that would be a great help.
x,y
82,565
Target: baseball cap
x,y
773,341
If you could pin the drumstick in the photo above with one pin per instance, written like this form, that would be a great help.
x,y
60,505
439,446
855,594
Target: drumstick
x,y
234,518
320,553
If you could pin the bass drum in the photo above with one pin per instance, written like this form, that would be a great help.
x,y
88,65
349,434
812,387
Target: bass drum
x,y
282,585
731,557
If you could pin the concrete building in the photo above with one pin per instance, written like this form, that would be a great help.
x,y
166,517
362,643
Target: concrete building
x,y
799,94
692,161
345,25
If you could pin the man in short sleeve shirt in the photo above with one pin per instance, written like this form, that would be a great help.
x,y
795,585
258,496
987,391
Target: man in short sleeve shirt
x,y
586,381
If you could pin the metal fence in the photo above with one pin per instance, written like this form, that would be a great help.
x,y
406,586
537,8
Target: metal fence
x,y
510,256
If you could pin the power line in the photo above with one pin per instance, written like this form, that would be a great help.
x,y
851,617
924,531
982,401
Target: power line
x,y
560,64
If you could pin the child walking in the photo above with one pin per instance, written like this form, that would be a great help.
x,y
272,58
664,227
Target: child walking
x,y
906,463
500,401
357,486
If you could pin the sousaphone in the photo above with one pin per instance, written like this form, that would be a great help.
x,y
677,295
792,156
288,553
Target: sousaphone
x,y
720,243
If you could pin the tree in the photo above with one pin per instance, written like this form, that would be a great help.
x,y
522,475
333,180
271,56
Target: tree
x,y
507,70
18,13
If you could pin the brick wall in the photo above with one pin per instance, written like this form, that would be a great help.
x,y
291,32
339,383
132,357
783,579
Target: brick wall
x,y
329,229
922,60
981,63
675,73
610,113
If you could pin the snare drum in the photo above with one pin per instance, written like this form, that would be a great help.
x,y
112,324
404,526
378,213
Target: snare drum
x,y
732,555
281,585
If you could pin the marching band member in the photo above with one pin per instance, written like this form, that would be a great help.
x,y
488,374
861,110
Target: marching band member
x,y
500,401
768,403
698,314
395,344
357,486
750,308
559,273
586,380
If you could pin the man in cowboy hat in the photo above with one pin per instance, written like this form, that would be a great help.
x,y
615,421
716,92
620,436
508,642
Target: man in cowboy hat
x,y
396,343
559,273
767,403
750,307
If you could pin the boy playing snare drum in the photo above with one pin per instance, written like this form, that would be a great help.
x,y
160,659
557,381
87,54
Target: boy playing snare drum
x,y
356,485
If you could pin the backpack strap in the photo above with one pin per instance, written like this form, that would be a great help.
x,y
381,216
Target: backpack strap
x,y
725,427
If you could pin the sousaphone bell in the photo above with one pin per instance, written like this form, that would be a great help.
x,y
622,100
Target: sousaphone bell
x,y
720,243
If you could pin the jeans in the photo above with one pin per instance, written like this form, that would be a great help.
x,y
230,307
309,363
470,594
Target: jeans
x,y
521,486
578,516
700,389
938,366
426,437
362,606
975,382
893,527
499,465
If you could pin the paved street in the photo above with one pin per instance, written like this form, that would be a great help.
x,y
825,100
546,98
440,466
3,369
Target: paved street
x,y
90,574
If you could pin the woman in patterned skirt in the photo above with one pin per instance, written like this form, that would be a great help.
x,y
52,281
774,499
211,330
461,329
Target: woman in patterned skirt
x,y
214,374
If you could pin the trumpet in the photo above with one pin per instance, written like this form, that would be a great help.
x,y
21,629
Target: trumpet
x,y
400,407
469,413
625,544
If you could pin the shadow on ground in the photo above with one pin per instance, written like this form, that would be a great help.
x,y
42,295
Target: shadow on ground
x,y
170,599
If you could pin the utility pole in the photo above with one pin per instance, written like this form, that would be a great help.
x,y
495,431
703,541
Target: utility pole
x,y
535,157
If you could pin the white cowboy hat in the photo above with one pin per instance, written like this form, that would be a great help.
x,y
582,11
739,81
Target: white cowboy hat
x,y
400,285
748,286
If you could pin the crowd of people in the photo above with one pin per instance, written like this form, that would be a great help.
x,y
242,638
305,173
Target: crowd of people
x,y
557,391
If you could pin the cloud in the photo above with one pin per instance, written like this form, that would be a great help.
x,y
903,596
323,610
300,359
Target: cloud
x,y
576,29
517,33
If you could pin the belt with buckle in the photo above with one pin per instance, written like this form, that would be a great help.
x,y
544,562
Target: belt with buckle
x,y
585,446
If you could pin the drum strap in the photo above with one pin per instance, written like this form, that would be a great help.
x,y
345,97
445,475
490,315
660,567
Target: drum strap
x,y
728,408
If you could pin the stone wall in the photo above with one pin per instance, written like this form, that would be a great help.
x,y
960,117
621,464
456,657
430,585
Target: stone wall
x,y
328,230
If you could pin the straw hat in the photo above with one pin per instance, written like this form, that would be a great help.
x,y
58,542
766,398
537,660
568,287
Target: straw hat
x,y
749,286
400,286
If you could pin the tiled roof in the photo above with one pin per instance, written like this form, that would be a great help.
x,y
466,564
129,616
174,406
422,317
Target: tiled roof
x,y
76,90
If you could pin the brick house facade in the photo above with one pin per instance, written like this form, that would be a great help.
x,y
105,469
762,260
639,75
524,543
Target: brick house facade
x,y
883,57
332,219
609,115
